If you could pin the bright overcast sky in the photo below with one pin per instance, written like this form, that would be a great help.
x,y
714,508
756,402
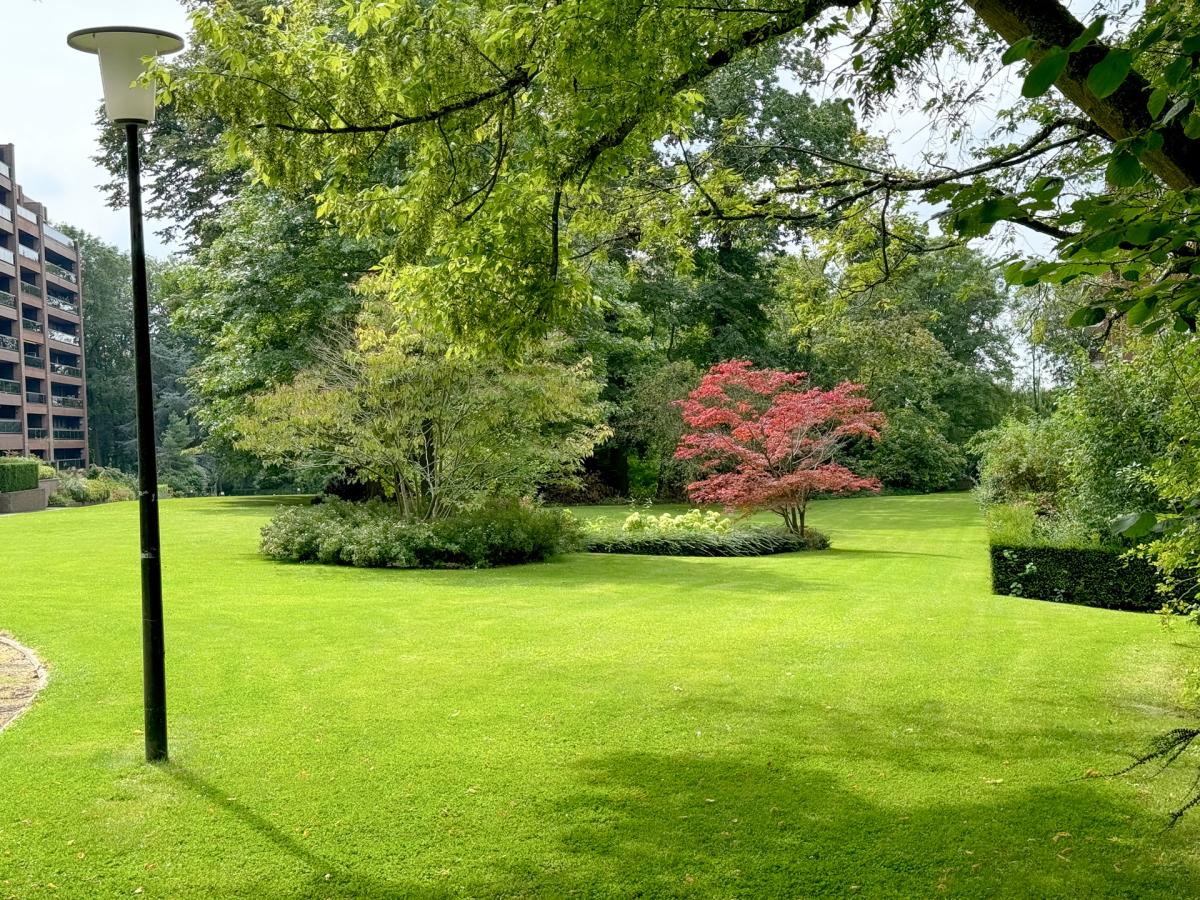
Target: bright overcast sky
x,y
51,100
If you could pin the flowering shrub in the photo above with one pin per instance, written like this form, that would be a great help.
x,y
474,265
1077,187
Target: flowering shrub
x,y
694,520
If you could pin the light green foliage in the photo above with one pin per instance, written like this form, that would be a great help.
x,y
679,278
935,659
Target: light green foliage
x,y
435,432
1114,419
495,145
1022,524
1174,546
592,725
97,485
693,520
1023,461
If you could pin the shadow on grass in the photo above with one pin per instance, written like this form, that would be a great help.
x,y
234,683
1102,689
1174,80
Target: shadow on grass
x,y
643,824
341,878
258,506
661,825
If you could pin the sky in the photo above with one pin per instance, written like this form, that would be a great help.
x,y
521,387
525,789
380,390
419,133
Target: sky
x,y
50,117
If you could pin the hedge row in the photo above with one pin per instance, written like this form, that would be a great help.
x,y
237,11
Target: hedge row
x,y
743,542
1089,577
18,475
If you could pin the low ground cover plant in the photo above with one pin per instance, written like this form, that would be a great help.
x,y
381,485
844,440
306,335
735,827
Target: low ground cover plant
x,y
695,533
378,535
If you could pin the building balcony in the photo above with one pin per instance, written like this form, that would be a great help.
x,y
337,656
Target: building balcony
x,y
27,214
32,325
35,362
68,434
8,343
31,289
7,300
28,252
5,170
64,369
7,386
57,236
37,434
64,337
67,402
6,255
10,426
65,305
59,272
35,397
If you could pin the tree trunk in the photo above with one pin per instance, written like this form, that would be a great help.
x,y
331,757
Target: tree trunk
x,y
1120,115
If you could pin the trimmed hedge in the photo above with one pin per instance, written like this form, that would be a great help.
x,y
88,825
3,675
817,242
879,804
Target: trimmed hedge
x,y
743,542
1086,576
18,475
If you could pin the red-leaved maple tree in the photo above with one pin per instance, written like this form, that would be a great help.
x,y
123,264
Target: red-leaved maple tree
x,y
769,442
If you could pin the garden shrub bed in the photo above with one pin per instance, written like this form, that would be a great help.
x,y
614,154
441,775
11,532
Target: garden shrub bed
x,y
738,542
1088,576
375,535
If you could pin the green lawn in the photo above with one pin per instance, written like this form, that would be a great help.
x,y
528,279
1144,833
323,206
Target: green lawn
x,y
867,721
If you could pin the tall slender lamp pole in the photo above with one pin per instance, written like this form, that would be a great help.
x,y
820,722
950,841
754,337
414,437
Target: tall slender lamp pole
x,y
129,101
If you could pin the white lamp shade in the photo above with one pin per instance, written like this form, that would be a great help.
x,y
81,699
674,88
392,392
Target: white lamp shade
x,y
121,52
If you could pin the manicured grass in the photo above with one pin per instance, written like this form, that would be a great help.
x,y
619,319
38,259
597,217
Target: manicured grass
x,y
867,721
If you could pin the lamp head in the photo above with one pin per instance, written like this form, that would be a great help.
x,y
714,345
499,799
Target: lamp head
x,y
121,51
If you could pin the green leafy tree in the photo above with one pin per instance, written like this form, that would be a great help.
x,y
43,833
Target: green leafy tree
x,y
436,432
178,466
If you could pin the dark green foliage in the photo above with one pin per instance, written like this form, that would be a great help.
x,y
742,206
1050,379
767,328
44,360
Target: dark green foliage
x,y
18,475
744,542
375,535
1086,576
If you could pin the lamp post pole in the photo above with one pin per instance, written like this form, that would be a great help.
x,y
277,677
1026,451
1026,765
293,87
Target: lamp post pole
x,y
154,677
129,101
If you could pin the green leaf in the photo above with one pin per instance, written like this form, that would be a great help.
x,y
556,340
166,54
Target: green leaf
x,y
1140,311
1158,99
1044,73
1106,76
1017,51
1134,525
1192,128
1191,43
1123,170
1089,315
1047,187
1174,73
1176,109
1088,35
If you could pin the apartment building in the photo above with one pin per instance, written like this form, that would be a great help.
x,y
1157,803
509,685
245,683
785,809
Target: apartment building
x,y
43,396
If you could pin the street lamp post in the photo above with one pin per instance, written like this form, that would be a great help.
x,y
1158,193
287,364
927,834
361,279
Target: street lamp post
x,y
129,101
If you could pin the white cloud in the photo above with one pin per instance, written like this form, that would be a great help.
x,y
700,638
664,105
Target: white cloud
x,y
51,94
